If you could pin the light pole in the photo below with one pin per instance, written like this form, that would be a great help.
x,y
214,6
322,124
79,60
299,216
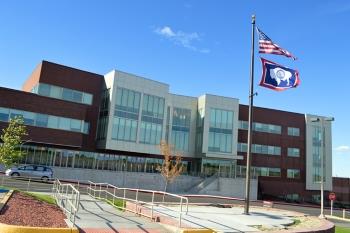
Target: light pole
x,y
322,121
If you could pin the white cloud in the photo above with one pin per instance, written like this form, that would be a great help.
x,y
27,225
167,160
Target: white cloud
x,y
342,149
165,31
181,38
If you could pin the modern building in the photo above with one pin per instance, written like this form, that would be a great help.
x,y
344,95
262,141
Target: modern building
x,y
81,120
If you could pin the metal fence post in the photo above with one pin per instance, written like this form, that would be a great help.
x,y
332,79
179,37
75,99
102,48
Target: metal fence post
x,y
95,191
180,212
28,184
100,191
186,205
136,203
113,195
152,205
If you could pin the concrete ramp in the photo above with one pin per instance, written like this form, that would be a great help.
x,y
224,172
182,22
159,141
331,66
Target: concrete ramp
x,y
96,216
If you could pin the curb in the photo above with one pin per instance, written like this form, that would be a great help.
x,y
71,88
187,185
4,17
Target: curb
x,y
197,231
4,228
337,218
5,199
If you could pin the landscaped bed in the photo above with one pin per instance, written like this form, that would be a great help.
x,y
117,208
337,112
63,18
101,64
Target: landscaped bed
x,y
25,210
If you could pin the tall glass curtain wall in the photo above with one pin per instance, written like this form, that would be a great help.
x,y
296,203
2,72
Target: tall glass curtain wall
x,y
316,154
220,131
103,117
89,160
152,119
199,130
126,115
181,128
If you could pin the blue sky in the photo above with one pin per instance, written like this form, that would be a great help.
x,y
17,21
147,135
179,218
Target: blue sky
x,y
197,47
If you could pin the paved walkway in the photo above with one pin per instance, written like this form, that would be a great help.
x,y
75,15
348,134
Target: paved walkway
x,y
228,220
95,216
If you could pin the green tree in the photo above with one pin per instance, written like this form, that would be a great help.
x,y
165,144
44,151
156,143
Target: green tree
x,y
10,151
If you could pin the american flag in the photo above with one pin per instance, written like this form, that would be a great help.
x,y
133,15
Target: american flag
x,y
266,45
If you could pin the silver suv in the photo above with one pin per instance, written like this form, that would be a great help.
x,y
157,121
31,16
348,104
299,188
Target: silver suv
x,y
42,172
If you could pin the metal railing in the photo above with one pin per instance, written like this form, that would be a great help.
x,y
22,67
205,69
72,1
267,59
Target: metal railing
x,y
28,184
68,198
149,200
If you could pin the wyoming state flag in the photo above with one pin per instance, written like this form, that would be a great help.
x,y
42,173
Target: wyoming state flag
x,y
278,77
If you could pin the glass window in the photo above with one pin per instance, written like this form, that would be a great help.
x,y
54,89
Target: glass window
x,y
293,173
276,172
148,133
115,128
293,131
127,129
86,127
77,96
87,98
29,118
145,103
64,123
150,104
41,120
64,93
4,114
152,118
161,108
143,132
130,101
137,100
121,129
44,89
125,97
67,94
133,130
56,92
53,122
218,121
293,152
15,113
264,171
75,125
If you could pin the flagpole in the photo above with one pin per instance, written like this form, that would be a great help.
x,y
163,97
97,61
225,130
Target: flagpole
x,y
250,121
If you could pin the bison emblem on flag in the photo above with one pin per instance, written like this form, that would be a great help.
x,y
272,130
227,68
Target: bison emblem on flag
x,y
278,77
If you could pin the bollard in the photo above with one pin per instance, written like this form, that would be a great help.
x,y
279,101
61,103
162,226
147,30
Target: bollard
x,y
344,213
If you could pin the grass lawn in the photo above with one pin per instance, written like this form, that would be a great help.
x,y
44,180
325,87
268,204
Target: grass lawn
x,y
342,230
42,197
118,203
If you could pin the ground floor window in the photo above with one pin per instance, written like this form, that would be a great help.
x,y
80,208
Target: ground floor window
x,y
90,160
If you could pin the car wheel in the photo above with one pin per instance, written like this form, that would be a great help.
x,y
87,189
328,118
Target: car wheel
x,y
45,178
15,174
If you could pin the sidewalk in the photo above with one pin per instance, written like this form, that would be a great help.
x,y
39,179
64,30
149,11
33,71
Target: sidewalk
x,y
95,216
228,219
